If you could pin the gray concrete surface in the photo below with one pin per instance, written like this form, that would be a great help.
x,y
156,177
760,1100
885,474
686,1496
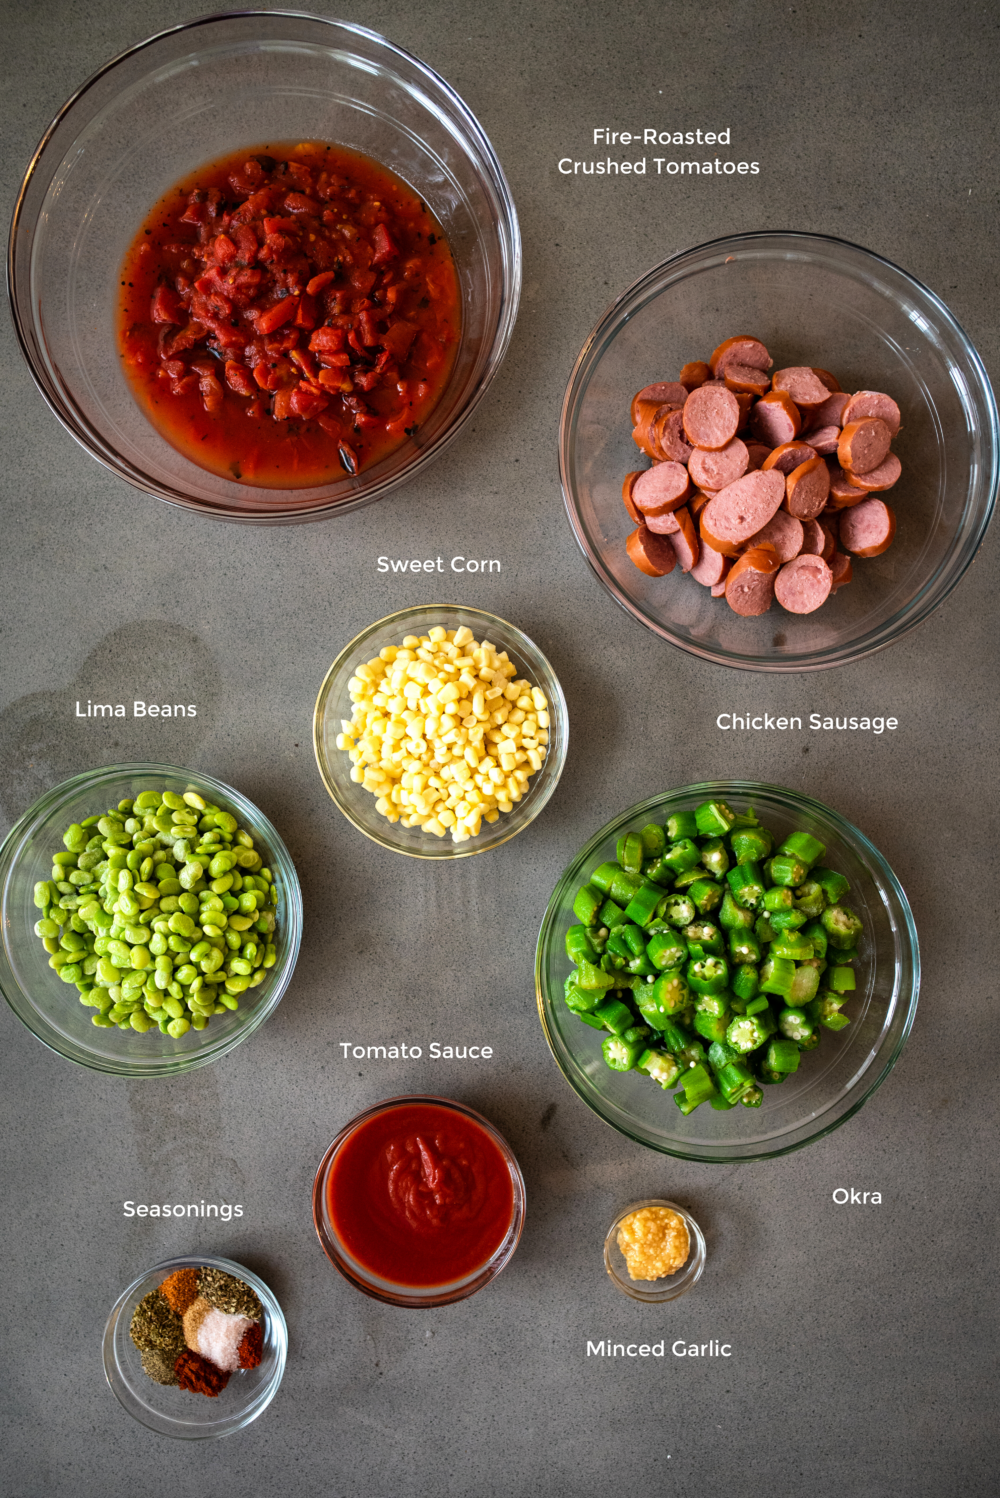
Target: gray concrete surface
x,y
864,1338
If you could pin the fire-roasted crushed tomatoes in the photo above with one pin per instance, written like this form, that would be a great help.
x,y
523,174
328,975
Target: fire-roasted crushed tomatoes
x,y
289,313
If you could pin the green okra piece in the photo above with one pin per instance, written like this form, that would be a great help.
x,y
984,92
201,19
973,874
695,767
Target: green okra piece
x,y
833,885
586,905
842,926
714,818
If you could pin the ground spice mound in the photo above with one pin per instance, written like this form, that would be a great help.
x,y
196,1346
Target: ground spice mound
x,y
199,1375
159,1366
251,1349
155,1326
228,1294
193,1317
181,1289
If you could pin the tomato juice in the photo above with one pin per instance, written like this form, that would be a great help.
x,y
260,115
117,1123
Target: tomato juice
x,y
288,314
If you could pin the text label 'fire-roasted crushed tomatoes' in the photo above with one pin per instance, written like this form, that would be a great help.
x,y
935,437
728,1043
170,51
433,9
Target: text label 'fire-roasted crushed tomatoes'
x,y
288,314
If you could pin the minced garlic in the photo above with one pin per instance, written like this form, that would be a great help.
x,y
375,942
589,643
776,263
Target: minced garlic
x,y
654,1241
443,734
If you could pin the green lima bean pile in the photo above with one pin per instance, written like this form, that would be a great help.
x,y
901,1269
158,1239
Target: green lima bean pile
x,y
160,913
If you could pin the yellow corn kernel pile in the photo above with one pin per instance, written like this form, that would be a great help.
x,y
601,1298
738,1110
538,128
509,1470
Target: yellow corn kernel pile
x,y
443,734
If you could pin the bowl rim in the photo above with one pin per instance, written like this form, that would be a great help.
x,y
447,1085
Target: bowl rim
x,y
184,1261
683,1280
141,1070
706,790
447,1295
828,659
79,428
444,850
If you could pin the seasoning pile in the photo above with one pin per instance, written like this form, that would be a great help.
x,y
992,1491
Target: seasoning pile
x,y
161,912
443,733
197,1329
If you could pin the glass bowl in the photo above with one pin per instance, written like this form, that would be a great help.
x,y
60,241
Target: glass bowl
x,y
414,1297
48,1007
670,1286
229,79
178,1412
833,1080
807,297
334,704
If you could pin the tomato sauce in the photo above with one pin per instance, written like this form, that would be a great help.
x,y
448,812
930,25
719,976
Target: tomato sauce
x,y
287,314
420,1195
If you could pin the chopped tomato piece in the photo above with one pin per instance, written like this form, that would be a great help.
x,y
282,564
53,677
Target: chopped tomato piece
x,y
167,306
383,244
274,317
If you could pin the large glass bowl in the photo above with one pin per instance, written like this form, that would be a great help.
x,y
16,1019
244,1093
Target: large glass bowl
x,y
833,1080
817,301
50,1008
178,1412
186,97
334,704
394,1293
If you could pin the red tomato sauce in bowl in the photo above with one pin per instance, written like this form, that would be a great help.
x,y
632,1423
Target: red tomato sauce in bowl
x,y
288,313
420,1195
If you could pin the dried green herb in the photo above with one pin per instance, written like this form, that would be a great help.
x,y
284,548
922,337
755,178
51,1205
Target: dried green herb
x,y
228,1294
156,1327
159,1366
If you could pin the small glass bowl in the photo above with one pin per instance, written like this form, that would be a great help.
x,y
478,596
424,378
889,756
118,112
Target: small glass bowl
x,y
334,704
48,1007
833,1081
670,1286
244,77
415,1297
807,296
177,1412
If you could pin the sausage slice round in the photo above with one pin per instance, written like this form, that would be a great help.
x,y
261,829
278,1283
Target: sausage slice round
x,y
867,529
740,350
803,584
802,384
652,554
831,412
662,393
873,403
843,493
806,489
668,435
842,569
757,455
830,381
775,419
695,374
714,470
863,444
750,584
879,479
663,487
788,456
824,440
685,541
782,532
741,509
743,379
634,515
711,417
710,568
